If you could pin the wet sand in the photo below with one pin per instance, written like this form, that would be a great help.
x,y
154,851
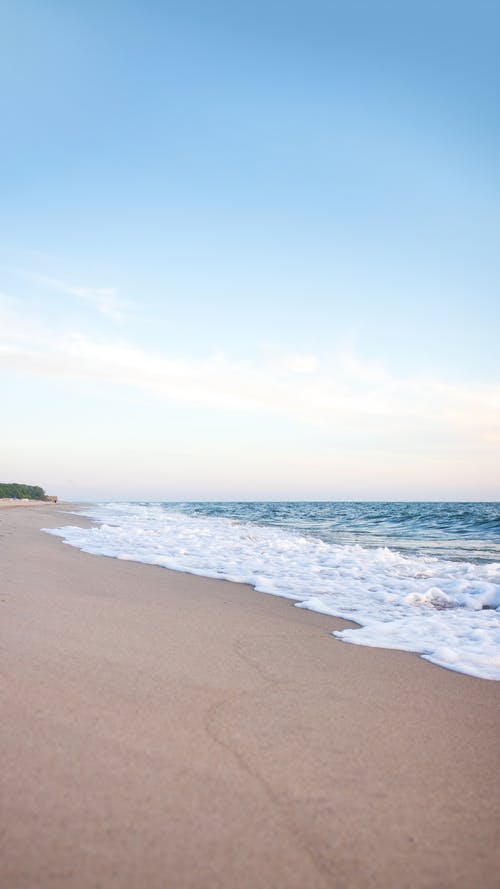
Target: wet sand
x,y
164,731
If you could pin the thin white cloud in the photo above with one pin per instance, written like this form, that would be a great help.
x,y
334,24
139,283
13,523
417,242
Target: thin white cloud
x,y
354,403
299,363
104,299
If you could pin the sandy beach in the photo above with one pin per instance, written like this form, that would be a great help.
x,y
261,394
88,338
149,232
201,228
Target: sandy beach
x,y
165,731
7,503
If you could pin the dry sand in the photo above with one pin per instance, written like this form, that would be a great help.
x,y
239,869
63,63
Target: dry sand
x,y
8,503
163,731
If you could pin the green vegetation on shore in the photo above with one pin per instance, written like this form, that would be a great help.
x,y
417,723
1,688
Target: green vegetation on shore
x,y
22,492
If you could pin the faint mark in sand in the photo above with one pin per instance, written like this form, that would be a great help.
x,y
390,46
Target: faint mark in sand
x,y
218,713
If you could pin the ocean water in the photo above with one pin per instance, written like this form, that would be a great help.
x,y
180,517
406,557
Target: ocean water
x,y
422,577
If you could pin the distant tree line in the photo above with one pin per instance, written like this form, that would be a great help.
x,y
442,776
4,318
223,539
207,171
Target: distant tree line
x,y
22,492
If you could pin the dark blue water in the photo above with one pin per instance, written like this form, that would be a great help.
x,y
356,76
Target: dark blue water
x,y
469,531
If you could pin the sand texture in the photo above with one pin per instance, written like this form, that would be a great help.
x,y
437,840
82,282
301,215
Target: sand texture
x,y
8,503
163,731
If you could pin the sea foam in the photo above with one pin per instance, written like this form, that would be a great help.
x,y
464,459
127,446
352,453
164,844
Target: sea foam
x,y
447,611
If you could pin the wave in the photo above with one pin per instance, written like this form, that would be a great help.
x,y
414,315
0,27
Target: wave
x,y
447,610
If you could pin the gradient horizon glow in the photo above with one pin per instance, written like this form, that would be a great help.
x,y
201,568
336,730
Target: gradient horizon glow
x,y
250,251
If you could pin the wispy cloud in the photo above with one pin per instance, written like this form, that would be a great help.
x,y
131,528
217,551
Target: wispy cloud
x,y
104,299
352,401
301,363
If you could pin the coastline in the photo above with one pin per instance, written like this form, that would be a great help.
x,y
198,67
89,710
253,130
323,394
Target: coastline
x,y
162,729
8,503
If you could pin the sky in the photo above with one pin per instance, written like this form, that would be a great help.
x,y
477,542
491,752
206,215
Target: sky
x,y
250,250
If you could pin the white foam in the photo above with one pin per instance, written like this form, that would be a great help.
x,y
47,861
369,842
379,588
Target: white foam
x,y
447,611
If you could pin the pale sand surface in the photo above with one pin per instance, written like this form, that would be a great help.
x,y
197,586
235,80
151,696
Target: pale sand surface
x,y
163,730
7,503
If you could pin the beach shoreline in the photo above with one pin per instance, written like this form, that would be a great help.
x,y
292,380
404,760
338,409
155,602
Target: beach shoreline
x,y
12,503
163,728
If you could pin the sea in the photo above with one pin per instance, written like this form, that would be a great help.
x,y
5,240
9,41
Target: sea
x,y
421,577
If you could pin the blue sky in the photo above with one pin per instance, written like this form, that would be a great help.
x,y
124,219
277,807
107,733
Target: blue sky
x,y
250,250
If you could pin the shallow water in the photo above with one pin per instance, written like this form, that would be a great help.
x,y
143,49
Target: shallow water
x,y
450,530
421,577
